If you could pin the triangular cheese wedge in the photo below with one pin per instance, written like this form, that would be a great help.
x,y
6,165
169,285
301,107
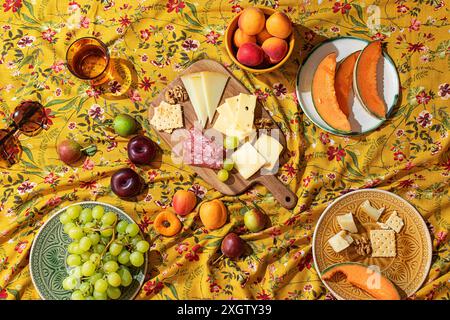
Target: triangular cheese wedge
x,y
213,86
194,87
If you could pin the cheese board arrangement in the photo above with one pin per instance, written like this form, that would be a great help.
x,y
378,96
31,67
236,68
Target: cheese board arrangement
x,y
217,124
372,244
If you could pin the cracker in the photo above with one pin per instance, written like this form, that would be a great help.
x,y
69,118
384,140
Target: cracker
x,y
395,222
167,117
383,243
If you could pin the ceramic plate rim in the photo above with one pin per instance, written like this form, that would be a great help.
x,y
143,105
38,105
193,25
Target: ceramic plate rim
x,y
424,225
57,213
333,131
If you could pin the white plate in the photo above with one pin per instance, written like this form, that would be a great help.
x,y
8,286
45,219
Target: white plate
x,y
360,119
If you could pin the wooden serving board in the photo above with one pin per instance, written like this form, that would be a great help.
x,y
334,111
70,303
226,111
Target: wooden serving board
x,y
235,184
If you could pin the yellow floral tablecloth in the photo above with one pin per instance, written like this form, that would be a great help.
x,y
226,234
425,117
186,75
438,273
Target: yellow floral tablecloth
x,y
408,155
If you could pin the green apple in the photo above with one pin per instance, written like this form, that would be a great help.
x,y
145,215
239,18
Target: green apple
x,y
124,125
255,220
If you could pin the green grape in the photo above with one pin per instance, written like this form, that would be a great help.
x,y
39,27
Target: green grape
x,y
76,233
132,229
89,298
77,295
142,246
137,259
107,232
121,226
96,276
64,218
78,250
231,142
68,226
95,258
100,295
228,164
104,240
115,249
86,288
86,215
89,225
100,285
73,260
222,175
88,269
85,243
99,248
135,240
74,211
95,238
85,256
110,266
113,293
109,218
97,212
76,272
124,257
72,247
125,275
69,283
109,257
114,279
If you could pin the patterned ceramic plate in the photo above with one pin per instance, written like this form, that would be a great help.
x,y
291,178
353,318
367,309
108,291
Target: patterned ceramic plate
x,y
48,258
360,119
407,270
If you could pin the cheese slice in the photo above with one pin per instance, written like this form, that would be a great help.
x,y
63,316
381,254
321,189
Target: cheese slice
x,y
213,86
194,87
372,212
245,112
270,149
340,241
347,223
222,124
247,160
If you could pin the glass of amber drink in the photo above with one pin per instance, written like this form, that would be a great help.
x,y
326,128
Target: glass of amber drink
x,y
88,59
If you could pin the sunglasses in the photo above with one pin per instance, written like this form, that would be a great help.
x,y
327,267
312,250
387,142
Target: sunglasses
x,y
28,118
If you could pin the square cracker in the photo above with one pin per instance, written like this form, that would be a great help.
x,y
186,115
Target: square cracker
x,y
383,243
395,222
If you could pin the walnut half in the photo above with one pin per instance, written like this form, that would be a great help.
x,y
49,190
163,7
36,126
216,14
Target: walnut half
x,y
176,95
362,246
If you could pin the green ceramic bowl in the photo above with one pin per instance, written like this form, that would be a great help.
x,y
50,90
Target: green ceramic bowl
x,y
48,258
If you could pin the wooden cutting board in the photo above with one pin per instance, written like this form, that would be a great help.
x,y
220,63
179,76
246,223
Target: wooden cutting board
x,y
235,184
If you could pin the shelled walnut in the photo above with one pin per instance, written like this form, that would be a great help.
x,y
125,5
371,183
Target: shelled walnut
x,y
263,123
362,246
176,95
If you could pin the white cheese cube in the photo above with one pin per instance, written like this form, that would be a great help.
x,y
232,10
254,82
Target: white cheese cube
x,y
340,241
372,212
347,223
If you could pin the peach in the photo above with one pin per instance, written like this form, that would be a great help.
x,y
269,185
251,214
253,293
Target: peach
x,y
279,25
263,36
252,21
250,54
184,202
240,38
275,48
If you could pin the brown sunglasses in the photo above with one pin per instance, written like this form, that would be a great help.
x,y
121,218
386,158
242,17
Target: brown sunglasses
x,y
27,118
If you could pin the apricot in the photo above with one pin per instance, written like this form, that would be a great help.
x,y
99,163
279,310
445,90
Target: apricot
x,y
184,202
252,21
250,54
279,25
213,214
240,38
167,223
275,48
263,36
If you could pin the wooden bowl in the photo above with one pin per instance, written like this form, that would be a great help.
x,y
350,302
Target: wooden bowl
x,y
232,50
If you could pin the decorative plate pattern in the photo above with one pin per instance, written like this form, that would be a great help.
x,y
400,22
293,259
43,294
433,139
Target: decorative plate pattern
x,y
48,258
407,270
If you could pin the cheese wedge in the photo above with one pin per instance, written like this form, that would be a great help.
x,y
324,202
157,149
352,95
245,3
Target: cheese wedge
x,y
245,112
340,241
213,86
247,160
347,223
270,149
194,87
372,212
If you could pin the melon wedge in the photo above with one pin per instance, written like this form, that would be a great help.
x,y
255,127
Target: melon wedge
x,y
324,95
343,81
365,80
362,277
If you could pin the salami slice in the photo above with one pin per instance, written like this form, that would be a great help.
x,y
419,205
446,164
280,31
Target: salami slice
x,y
199,150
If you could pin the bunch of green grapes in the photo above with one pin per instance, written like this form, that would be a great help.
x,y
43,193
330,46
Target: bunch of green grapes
x,y
102,250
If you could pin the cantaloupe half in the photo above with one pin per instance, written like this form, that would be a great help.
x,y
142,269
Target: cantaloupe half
x,y
324,95
365,80
359,275
343,81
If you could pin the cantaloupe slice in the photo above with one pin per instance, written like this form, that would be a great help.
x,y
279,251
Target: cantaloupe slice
x,y
324,95
343,81
359,275
365,80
